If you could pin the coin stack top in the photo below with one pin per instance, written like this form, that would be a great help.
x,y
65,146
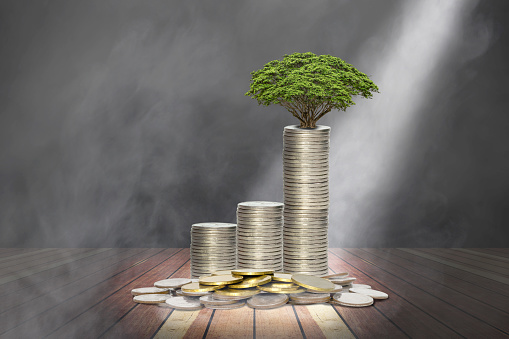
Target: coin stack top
x,y
213,248
306,198
260,235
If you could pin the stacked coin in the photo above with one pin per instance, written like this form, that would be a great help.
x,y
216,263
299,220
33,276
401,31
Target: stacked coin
x,y
213,248
260,235
306,198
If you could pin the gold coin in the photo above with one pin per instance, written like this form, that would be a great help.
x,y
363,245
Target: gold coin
x,y
225,272
244,272
196,287
231,292
284,285
280,290
252,282
219,280
313,283
283,277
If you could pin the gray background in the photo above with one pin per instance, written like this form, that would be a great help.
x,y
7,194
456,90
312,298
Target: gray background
x,y
124,122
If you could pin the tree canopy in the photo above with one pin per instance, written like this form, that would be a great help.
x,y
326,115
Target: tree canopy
x,y
309,85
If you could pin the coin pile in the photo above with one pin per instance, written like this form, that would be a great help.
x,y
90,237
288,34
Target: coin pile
x,y
306,199
260,235
213,247
258,288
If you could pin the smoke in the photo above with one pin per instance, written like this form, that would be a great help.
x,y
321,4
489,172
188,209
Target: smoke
x,y
379,197
123,123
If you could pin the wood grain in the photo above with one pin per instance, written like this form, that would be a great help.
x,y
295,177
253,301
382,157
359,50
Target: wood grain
x,y
480,310
462,323
396,314
53,310
103,314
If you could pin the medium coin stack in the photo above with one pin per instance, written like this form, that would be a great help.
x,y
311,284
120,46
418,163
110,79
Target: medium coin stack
x,y
260,235
213,248
306,198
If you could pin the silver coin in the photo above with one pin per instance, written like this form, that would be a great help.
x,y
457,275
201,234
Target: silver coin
x,y
149,290
353,299
151,298
267,300
260,204
172,283
370,292
209,225
210,300
181,293
183,303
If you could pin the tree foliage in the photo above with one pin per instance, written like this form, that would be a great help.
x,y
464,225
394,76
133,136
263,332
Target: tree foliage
x,y
309,85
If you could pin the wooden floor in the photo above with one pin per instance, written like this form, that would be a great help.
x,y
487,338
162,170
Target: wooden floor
x,y
85,293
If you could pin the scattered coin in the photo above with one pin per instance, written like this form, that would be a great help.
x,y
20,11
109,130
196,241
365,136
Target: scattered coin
x,y
267,301
284,277
150,290
342,281
183,303
372,293
360,286
197,287
353,299
151,298
237,304
237,292
254,271
219,280
192,294
172,283
209,300
252,281
313,283
336,275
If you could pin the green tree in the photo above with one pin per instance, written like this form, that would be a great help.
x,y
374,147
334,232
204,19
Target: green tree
x,y
309,85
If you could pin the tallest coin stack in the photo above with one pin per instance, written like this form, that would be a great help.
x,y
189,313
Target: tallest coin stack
x,y
306,198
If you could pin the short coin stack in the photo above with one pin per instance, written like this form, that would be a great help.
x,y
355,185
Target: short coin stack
x,y
260,235
213,248
306,198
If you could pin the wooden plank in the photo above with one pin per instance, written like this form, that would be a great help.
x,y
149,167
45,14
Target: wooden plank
x,y
48,257
397,318
479,258
101,315
463,302
490,251
7,252
460,266
200,325
484,255
60,306
310,327
30,293
145,320
440,279
483,282
328,320
53,273
277,323
20,256
178,323
500,250
232,324
42,268
474,263
462,323
39,264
